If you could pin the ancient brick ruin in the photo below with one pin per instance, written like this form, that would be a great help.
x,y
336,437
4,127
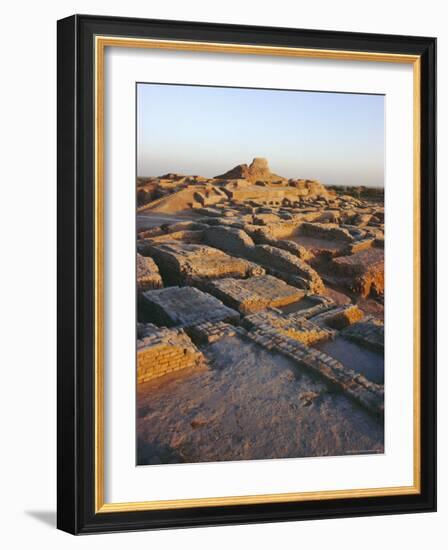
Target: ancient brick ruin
x,y
161,351
255,293
250,256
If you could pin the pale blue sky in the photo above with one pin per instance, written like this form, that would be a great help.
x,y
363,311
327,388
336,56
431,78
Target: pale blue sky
x,y
333,137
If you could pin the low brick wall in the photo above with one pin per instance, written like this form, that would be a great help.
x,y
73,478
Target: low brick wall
x,y
148,275
339,317
161,351
278,230
207,333
193,264
356,386
369,333
326,231
228,239
277,260
357,246
363,271
255,293
184,307
292,326
292,247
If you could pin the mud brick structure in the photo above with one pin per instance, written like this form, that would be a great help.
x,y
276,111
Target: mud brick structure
x,y
292,247
266,218
241,260
291,325
362,244
369,333
184,307
254,294
379,242
188,236
238,223
362,272
277,260
162,351
230,239
207,333
280,230
319,305
209,195
339,317
326,231
354,385
148,275
169,229
181,263
264,195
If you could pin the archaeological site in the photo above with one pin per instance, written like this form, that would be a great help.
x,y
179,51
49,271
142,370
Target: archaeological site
x,y
260,317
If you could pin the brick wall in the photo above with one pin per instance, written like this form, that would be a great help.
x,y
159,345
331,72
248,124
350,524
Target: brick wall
x,y
161,351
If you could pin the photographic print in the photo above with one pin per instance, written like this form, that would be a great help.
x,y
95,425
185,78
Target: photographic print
x,y
227,198
260,274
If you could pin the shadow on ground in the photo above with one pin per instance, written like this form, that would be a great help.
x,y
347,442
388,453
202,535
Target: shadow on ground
x,y
48,517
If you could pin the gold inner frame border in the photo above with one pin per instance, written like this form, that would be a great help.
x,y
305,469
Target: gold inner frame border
x,y
100,44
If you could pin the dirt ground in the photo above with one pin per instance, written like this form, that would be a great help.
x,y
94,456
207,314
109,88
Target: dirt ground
x,y
248,404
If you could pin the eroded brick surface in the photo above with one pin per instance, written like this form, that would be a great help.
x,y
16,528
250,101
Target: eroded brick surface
x,y
148,275
362,272
279,260
184,307
161,351
207,333
255,293
369,332
194,264
292,325
355,385
249,242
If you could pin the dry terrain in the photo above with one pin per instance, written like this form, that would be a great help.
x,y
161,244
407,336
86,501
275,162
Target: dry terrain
x,y
260,318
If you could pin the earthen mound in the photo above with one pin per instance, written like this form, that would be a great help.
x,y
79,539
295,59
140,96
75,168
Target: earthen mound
x,y
257,171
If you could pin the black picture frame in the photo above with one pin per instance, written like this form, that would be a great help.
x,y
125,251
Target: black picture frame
x,y
76,254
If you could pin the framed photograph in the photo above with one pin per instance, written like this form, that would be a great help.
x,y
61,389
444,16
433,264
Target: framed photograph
x,y
246,274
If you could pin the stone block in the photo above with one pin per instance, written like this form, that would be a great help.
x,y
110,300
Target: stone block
x,y
194,264
207,333
369,333
297,328
362,272
148,275
255,294
339,317
279,260
229,239
162,350
184,307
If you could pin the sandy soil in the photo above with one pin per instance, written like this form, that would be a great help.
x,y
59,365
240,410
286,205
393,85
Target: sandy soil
x,y
356,357
248,404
